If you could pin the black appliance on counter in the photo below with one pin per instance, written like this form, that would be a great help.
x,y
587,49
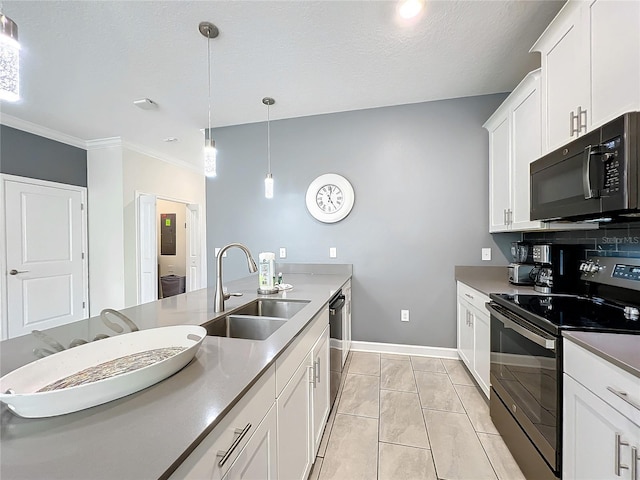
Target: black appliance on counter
x,y
526,355
521,269
556,267
594,177
336,344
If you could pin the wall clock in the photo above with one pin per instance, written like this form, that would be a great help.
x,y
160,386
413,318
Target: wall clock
x,y
330,198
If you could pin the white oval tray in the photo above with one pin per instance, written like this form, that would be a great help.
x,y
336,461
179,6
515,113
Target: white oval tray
x,y
24,382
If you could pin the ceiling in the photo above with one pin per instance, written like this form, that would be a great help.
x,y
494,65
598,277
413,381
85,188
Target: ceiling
x,y
83,63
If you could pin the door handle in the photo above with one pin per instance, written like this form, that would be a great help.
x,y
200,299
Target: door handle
x,y
16,272
589,192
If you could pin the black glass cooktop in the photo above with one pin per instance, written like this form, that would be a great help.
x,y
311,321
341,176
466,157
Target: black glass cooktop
x,y
571,312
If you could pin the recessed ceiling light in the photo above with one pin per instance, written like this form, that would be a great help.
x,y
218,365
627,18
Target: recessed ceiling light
x,y
410,8
170,139
145,104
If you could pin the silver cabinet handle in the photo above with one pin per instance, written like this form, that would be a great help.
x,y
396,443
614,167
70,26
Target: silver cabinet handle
x,y
619,443
573,117
312,372
241,434
316,372
16,272
468,296
634,463
548,343
582,125
504,216
624,396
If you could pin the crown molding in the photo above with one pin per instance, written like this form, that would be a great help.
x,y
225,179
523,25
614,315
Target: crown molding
x,y
104,143
29,127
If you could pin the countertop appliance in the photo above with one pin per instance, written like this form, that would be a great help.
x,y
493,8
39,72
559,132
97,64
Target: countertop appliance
x,y
522,269
556,267
526,354
336,344
594,177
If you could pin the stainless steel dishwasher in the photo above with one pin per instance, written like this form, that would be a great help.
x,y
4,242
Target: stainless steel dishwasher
x,y
336,342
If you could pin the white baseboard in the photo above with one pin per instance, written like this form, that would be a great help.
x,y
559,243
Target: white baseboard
x,y
400,349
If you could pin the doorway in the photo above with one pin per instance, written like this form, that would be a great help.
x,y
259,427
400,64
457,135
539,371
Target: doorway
x,y
178,253
44,265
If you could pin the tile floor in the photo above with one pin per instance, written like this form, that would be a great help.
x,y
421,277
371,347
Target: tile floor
x,y
399,417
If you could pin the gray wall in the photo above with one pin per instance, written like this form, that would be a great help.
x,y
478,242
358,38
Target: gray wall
x,y
420,175
32,156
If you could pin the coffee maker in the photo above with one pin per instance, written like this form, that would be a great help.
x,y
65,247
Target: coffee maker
x,y
522,268
557,268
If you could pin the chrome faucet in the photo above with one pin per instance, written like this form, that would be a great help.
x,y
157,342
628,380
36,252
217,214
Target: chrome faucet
x,y
220,295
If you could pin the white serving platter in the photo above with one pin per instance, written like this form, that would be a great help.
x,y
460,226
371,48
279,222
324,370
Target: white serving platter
x,y
24,382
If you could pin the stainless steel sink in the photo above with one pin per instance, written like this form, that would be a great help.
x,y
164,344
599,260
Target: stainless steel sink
x,y
276,308
244,326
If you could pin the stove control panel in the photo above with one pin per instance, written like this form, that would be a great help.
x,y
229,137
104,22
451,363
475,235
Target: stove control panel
x,y
628,272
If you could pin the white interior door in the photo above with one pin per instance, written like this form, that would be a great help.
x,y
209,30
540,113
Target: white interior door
x,y
46,274
147,249
194,255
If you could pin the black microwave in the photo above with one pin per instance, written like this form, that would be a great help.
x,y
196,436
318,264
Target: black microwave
x,y
595,177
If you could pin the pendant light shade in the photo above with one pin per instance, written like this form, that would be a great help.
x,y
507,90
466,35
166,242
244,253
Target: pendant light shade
x,y
268,181
209,30
9,60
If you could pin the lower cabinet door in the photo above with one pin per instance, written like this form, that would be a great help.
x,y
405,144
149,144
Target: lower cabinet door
x,y
320,388
258,459
598,441
482,349
294,425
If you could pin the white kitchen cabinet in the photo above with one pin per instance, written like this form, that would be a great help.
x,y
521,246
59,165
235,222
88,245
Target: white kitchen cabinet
x,y
258,459
346,322
590,55
474,334
294,425
320,390
601,431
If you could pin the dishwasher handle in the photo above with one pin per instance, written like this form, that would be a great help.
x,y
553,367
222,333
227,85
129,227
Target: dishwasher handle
x,y
336,305
548,343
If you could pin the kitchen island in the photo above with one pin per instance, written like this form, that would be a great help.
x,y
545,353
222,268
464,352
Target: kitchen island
x,y
149,433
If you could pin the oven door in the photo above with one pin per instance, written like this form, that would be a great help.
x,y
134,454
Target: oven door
x,y
525,371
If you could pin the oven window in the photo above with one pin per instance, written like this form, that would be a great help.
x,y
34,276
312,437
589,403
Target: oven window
x,y
527,371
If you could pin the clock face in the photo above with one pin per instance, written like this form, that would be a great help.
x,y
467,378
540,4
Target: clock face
x,y
330,198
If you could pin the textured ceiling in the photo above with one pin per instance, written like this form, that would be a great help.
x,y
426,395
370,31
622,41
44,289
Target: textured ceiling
x,y
83,63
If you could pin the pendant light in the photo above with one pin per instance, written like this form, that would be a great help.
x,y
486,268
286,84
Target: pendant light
x,y
9,60
209,30
268,181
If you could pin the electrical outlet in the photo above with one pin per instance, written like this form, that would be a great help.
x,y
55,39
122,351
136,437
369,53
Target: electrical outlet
x,y
404,315
283,252
333,252
486,254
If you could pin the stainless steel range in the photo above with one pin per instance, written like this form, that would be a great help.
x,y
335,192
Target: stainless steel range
x,y
526,354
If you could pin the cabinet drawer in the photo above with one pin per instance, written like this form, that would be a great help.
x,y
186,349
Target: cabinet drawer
x,y
473,296
601,377
242,420
287,362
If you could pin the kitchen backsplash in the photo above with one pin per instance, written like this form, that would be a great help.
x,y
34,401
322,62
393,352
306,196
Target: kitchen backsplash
x,y
621,239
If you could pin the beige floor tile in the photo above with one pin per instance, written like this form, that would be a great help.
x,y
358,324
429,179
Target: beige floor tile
x,y
365,363
401,419
315,470
477,408
458,372
500,457
457,452
360,396
395,356
399,462
437,392
428,364
397,375
353,449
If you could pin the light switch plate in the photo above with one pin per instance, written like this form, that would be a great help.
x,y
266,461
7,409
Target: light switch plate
x,y
333,253
486,254
283,252
404,315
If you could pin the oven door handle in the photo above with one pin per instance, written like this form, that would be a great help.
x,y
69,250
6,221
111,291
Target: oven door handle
x,y
548,343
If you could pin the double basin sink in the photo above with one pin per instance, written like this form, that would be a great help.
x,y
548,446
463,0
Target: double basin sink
x,y
257,320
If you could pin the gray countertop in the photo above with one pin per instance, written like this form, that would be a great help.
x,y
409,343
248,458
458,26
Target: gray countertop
x,y
620,349
148,433
489,279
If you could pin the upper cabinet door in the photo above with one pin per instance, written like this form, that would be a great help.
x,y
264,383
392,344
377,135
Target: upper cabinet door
x,y
499,175
564,52
615,59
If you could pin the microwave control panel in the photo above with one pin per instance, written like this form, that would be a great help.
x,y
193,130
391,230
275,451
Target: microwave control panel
x,y
611,160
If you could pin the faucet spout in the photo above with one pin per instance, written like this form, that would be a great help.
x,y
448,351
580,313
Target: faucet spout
x,y
220,296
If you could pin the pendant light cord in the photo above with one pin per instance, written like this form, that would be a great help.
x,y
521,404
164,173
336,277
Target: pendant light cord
x,y
268,139
208,136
